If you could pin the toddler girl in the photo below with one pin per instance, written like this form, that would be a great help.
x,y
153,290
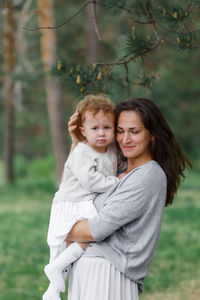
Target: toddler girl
x,y
90,169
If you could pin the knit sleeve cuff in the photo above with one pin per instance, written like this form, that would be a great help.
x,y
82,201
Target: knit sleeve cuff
x,y
95,229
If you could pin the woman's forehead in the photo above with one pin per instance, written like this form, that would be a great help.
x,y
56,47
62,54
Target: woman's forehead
x,y
130,119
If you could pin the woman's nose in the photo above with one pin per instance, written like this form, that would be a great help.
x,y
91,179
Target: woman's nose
x,y
126,138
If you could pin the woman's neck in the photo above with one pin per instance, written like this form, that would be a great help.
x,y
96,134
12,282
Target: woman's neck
x,y
134,163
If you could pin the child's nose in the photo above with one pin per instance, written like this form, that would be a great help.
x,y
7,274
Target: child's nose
x,y
101,132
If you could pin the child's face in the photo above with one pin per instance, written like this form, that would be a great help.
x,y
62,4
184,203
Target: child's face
x,y
98,130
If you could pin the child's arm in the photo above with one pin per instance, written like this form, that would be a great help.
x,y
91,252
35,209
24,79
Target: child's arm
x,y
83,164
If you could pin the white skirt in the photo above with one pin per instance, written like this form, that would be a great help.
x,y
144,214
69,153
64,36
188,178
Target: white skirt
x,y
94,278
64,214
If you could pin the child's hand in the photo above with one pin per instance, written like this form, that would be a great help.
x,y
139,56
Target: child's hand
x,y
82,245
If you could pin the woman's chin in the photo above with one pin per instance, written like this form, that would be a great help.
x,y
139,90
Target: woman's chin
x,y
128,154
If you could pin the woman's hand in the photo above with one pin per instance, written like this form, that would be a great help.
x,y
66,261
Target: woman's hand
x,y
82,245
73,128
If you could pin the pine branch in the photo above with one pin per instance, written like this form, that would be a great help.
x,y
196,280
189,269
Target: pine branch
x,y
138,44
130,57
129,12
93,4
65,22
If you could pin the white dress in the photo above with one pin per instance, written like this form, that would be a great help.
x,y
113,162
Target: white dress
x,y
86,173
95,278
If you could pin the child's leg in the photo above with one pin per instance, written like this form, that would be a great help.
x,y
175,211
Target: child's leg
x,y
54,270
51,293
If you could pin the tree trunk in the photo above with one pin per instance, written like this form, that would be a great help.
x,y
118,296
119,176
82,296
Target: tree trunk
x,y
92,44
9,41
54,100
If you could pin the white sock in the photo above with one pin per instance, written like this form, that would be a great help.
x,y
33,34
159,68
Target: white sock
x,y
66,272
55,268
51,293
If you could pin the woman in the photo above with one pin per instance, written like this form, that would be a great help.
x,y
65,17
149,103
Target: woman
x,y
124,234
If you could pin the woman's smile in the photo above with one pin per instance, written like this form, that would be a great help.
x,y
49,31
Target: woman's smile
x,y
125,147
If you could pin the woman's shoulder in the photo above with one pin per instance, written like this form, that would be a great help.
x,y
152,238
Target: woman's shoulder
x,y
152,167
149,173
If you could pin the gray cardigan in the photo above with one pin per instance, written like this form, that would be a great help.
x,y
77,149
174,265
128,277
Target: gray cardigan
x,y
129,218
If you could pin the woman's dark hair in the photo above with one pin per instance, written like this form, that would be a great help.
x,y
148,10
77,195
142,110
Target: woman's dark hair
x,y
164,148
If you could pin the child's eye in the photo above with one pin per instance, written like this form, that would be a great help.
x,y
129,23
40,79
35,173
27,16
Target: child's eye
x,y
94,128
107,127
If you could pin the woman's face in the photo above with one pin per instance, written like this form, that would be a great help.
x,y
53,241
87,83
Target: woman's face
x,y
133,138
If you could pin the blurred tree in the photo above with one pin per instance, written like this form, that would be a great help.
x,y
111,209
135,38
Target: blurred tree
x,y
53,91
9,46
92,45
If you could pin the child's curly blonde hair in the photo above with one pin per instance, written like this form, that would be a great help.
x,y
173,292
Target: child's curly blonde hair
x,y
94,103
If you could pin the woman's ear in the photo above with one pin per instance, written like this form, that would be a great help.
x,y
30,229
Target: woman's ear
x,y
82,130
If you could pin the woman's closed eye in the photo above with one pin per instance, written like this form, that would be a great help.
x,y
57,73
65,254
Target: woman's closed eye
x,y
134,131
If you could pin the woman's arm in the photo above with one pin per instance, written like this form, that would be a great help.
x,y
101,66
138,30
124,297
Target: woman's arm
x,y
123,206
80,233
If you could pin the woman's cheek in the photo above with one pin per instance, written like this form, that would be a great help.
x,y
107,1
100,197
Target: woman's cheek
x,y
118,138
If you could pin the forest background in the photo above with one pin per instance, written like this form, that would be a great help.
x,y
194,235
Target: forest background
x,y
125,49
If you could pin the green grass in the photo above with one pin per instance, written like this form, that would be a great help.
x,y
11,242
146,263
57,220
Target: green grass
x,y
24,215
177,257
24,221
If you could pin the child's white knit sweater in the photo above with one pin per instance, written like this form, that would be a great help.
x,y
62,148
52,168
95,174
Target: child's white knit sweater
x,y
86,173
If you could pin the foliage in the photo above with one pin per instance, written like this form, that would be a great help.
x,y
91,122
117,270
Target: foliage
x,y
152,23
85,77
